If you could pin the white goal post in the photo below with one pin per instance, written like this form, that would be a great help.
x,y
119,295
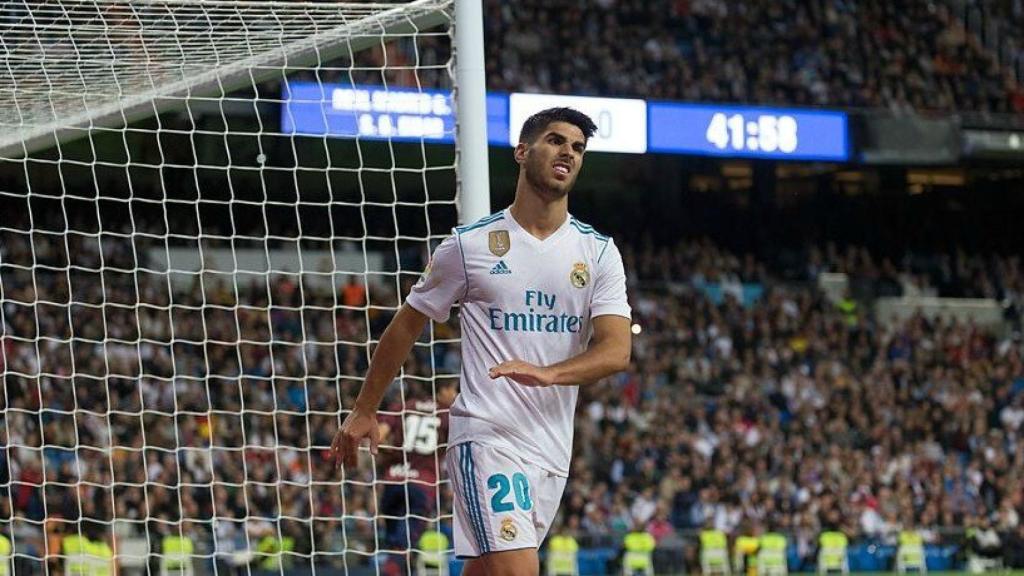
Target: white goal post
x,y
190,292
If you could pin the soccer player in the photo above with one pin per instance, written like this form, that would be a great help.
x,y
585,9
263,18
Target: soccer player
x,y
543,310
410,468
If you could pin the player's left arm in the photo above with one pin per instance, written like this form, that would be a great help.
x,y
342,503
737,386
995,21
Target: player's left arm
x,y
608,353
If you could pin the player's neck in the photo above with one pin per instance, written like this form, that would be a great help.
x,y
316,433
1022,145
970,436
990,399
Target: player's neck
x,y
537,215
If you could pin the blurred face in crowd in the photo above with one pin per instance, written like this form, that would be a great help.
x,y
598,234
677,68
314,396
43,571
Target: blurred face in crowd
x,y
551,162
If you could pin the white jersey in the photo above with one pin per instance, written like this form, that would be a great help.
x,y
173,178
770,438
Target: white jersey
x,y
527,299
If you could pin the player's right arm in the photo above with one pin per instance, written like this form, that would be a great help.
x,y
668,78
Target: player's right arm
x,y
392,351
432,297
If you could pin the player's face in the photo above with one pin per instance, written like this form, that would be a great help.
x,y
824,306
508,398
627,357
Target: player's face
x,y
553,160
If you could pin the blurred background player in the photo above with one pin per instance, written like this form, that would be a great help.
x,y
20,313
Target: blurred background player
x,y
412,435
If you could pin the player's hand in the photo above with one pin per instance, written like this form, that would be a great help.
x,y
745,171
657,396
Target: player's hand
x,y
524,373
356,427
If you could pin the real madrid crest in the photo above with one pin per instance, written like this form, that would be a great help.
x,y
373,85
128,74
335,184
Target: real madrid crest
x,y
508,530
579,276
498,242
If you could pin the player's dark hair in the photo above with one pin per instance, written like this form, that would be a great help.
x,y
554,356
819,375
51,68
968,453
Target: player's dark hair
x,y
535,125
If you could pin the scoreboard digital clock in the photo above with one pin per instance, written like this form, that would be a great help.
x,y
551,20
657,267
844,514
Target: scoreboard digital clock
x,y
748,131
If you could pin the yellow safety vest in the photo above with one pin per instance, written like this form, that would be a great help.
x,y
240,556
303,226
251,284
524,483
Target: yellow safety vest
x,y
272,549
433,541
773,541
5,555
833,547
773,550
562,554
639,546
848,307
432,545
746,544
102,558
745,548
911,550
713,540
76,550
177,551
910,537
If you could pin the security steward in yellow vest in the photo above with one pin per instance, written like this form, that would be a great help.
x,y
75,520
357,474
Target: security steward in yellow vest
x,y
638,557
563,551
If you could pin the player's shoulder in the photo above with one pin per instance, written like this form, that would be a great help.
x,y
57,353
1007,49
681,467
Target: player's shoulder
x,y
490,232
594,242
588,231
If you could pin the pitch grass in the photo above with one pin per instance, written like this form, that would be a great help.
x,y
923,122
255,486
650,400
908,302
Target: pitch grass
x,y
989,573
962,573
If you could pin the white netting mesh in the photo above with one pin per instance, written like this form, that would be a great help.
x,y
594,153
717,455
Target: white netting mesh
x,y
188,300
71,62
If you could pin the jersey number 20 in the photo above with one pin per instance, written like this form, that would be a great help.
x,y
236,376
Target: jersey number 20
x,y
519,485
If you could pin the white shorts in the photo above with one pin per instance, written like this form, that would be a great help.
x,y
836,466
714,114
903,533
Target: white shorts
x,y
501,502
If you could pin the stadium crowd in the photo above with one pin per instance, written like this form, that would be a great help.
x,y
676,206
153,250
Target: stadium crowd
x,y
137,405
806,416
909,56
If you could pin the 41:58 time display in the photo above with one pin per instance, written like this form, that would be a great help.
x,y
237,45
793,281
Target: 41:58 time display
x,y
766,133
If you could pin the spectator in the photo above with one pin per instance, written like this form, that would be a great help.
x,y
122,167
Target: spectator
x,y
917,56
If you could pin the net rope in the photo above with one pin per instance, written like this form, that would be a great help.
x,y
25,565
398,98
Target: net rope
x,y
189,300
67,60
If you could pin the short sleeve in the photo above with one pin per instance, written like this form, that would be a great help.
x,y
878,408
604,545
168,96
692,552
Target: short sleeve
x,y
442,283
610,287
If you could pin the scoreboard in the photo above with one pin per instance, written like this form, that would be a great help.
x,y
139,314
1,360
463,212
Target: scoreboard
x,y
747,131
624,125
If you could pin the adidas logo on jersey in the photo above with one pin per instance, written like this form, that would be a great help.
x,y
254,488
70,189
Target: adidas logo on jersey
x,y
501,268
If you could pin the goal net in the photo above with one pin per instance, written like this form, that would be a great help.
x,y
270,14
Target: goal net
x,y
209,211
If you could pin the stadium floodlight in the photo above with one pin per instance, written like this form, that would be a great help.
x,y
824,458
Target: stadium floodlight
x,y
189,296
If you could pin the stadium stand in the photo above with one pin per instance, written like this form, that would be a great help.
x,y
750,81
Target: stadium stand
x,y
754,403
914,55
787,413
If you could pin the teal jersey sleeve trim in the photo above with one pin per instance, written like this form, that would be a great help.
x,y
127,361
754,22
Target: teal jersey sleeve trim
x,y
482,222
465,271
587,229
601,255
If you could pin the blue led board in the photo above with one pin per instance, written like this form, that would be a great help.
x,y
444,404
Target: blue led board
x,y
409,115
748,132
376,113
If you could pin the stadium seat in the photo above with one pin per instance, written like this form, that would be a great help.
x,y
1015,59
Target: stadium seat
x,y
714,552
